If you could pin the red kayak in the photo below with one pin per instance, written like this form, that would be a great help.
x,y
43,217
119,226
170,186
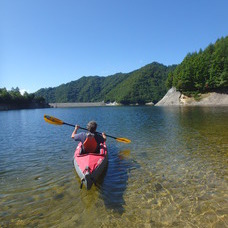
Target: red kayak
x,y
90,166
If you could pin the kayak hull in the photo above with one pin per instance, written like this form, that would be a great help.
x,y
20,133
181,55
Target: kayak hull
x,y
90,166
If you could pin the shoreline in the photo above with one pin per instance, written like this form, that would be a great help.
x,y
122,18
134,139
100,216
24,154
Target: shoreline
x,y
172,98
8,107
76,104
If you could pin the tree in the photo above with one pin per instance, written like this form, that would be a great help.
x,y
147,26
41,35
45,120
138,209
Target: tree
x,y
203,71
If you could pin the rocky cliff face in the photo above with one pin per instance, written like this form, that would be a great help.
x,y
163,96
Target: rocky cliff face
x,y
172,97
175,98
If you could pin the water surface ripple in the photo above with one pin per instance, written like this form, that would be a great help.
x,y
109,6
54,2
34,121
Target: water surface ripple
x,y
173,174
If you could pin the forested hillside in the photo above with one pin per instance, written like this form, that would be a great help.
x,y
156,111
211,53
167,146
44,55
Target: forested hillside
x,y
143,85
13,99
203,71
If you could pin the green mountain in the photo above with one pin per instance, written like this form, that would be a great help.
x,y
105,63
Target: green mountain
x,y
203,71
140,86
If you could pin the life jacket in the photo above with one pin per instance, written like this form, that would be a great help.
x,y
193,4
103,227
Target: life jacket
x,y
90,145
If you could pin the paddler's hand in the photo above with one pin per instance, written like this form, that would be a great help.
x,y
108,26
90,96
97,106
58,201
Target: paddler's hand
x,y
76,127
104,136
75,131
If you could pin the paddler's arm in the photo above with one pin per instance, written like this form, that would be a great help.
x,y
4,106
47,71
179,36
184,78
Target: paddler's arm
x,y
75,131
104,136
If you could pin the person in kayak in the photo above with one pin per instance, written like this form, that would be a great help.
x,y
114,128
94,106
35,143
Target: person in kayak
x,y
91,141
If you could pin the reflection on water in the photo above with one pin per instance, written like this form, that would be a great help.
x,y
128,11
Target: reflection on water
x,y
115,183
173,174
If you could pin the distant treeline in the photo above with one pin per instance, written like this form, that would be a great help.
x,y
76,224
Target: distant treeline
x,y
203,71
140,86
13,99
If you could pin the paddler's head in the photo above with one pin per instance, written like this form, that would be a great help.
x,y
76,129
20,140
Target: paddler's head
x,y
92,126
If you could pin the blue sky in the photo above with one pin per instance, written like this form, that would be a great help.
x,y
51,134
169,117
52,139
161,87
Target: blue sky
x,y
44,43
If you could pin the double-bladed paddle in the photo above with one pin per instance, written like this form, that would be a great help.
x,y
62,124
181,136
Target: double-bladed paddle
x,y
53,120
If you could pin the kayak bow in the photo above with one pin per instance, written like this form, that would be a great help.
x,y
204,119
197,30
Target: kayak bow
x,y
90,166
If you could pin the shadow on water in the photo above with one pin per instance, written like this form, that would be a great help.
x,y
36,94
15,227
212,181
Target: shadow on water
x,y
113,186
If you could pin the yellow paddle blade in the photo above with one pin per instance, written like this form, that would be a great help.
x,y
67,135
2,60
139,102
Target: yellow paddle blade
x,y
53,120
123,140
